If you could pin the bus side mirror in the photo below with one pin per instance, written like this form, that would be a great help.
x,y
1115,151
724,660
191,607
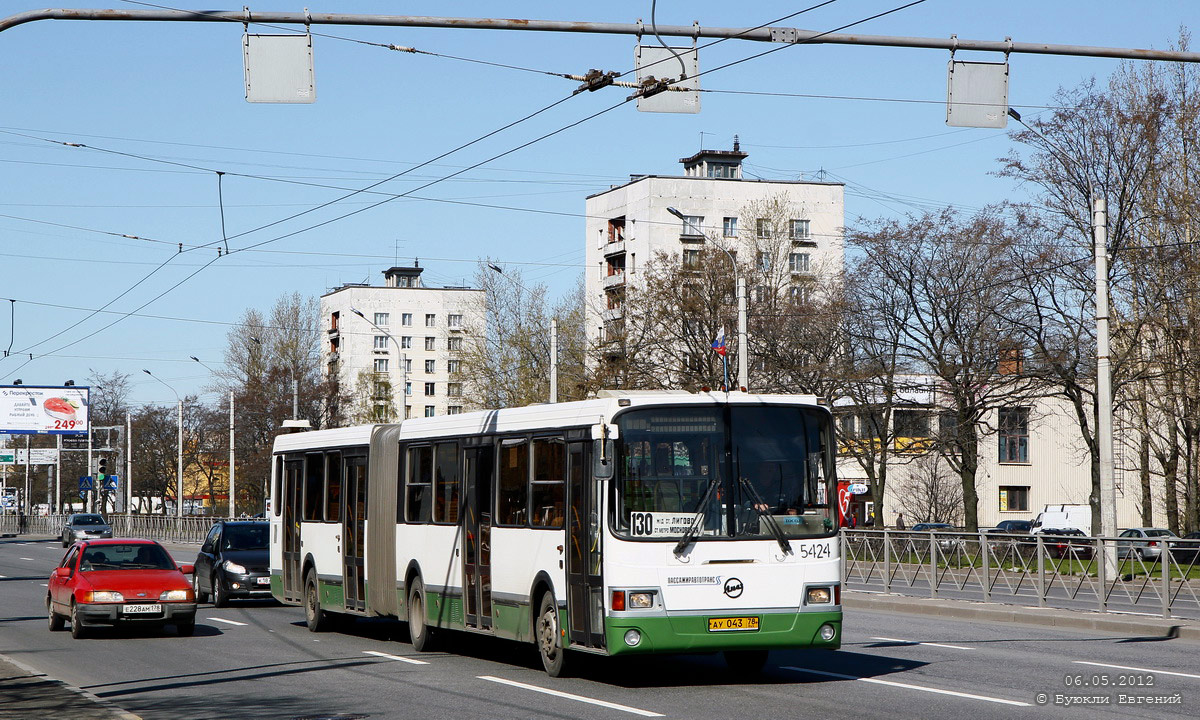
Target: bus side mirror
x,y
603,460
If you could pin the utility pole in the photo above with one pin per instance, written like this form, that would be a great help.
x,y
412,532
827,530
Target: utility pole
x,y
554,361
743,336
1104,405
128,463
232,470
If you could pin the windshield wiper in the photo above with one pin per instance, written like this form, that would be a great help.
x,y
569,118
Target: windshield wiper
x,y
698,520
757,503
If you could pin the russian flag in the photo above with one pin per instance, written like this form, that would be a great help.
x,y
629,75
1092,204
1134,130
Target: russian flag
x,y
718,344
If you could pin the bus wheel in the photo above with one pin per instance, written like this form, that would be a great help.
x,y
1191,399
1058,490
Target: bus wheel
x,y
546,635
746,662
418,630
316,618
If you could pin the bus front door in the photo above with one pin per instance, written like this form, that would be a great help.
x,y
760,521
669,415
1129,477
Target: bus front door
x,y
293,488
585,584
477,529
354,517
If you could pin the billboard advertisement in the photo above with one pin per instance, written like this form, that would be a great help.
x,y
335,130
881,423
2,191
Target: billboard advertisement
x,y
33,409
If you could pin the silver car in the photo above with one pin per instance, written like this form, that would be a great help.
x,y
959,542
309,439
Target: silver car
x,y
85,526
1146,543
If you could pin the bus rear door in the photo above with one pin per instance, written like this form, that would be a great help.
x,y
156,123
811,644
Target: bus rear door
x,y
354,517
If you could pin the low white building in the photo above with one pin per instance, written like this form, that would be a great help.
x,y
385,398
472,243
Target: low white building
x,y
397,348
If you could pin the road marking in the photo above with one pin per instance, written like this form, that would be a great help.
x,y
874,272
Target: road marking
x,y
917,642
569,696
231,622
1137,669
3,576
397,658
922,688
29,559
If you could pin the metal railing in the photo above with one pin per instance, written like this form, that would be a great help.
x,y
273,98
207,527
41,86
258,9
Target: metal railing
x,y
165,528
1044,570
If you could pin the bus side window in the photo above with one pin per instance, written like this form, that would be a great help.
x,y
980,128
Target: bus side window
x,y
419,488
547,489
446,483
277,501
333,493
513,499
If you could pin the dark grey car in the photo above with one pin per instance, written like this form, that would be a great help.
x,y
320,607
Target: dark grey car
x,y
233,562
85,526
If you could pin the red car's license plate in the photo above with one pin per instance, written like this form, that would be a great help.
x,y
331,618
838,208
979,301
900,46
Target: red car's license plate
x,y
142,609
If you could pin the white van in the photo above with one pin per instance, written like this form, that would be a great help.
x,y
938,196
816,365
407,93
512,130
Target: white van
x,y
1060,517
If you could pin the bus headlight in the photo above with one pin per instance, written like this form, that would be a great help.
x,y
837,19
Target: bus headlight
x,y
633,638
827,632
641,599
818,596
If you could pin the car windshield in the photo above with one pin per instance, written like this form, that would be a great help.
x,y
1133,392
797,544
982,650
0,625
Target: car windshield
x,y
245,537
1020,525
87,520
744,469
138,556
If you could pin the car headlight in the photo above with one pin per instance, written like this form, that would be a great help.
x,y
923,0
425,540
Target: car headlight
x,y
231,566
176,595
818,596
104,596
641,599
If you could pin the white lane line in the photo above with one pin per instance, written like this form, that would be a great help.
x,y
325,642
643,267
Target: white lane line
x,y
231,622
922,688
397,658
1137,669
3,576
918,642
569,696
29,559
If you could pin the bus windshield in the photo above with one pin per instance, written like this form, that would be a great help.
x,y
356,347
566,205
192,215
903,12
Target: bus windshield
x,y
735,470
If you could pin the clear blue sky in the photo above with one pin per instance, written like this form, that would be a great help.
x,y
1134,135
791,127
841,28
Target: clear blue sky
x,y
161,107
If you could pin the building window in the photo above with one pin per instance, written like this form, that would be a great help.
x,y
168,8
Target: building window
x,y
407,389
764,262
407,365
798,262
800,293
454,321
381,342
406,342
798,230
1014,435
430,366
693,225
429,411
1014,498
406,319
430,320
762,229
381,365
454,410
911,423
729,227
382,319
454,344
691,259
453,366
616,229
722,170
454,389
430,389
431,343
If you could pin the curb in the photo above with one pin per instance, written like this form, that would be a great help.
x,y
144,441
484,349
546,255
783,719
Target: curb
x,y
1041,617
116,711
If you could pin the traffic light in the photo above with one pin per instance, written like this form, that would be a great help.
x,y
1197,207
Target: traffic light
x,y
101,468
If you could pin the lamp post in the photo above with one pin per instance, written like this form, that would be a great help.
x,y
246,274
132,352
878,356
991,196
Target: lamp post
x,y
179,456
403,362
743,341
232,469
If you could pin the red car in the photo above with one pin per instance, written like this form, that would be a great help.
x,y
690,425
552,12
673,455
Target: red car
x,y
119,582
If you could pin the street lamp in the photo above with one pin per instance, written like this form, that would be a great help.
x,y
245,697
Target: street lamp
x,y
232,486
179,440
743,342
403,361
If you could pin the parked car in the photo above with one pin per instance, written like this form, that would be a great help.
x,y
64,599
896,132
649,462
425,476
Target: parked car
x,y
233,562
1013,526
927,526
85,526
1146,543
946,544
1187,549
119,582
1068,543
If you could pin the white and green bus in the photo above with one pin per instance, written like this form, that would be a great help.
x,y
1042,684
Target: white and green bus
x,y
638,522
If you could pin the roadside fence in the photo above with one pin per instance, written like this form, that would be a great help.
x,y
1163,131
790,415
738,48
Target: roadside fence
x,y
165,528
1154,575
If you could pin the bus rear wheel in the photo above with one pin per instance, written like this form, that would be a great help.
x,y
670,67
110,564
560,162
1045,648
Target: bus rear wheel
x,y
315,618
418,630
746,662
546,635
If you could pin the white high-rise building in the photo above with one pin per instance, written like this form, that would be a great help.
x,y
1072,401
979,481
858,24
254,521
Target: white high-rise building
x,y
398,348
628,224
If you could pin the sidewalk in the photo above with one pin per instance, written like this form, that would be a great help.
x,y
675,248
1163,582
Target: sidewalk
x,y
1119,623
29,695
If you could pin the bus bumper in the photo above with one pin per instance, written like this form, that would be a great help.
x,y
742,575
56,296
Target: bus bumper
x,y
683,634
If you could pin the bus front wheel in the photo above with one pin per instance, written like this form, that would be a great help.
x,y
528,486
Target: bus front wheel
x,y
418,630
546,635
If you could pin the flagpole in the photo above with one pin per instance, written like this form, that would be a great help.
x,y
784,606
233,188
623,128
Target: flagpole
x,y
725,363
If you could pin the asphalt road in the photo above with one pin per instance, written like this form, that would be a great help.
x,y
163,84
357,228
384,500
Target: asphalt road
x,y
257,660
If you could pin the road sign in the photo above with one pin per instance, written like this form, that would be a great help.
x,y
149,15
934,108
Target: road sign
x,y
8,501
8,457
85,483
75,442
37,456
111,481
83,494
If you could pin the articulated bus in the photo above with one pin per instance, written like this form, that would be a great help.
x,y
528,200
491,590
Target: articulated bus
x,y
637,522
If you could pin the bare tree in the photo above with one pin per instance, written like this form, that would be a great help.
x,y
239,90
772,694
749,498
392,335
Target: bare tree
x,y
928,491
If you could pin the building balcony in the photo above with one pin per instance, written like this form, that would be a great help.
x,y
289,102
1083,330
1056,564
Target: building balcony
x,y
614,280
333,330
614,248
